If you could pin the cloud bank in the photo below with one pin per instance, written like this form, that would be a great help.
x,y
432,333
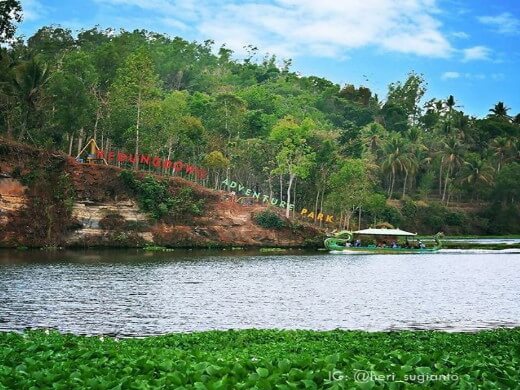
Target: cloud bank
x,y
289,28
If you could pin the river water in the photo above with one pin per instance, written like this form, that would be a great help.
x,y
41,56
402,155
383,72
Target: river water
x,y
137,293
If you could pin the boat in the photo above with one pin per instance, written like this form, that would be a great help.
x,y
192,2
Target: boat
x,y
380,241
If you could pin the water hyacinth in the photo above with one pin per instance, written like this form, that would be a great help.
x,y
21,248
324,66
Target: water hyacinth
x,y
262,359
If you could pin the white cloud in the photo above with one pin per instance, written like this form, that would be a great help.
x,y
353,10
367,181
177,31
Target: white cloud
x,y
325,28
460,34
505,23
32,10
450,75
476,53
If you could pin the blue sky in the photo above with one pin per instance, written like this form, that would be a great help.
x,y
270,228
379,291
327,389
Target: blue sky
x,y
470,49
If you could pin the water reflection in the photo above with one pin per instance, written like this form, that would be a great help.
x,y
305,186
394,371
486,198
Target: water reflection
x,y
138,293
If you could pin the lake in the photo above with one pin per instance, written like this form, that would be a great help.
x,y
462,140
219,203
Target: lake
x,y
138,293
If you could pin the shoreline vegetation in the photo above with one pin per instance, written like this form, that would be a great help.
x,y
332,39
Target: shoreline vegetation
x,y
264,250
262,359
451,242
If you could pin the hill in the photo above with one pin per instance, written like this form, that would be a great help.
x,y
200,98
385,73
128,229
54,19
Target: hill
x,y
49,199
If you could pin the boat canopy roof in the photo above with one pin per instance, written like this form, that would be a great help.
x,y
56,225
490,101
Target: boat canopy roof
x,y
384,232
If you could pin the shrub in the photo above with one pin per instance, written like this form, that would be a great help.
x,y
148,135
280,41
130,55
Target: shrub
x,y
456,218
269,220
155,198
392,215
409,209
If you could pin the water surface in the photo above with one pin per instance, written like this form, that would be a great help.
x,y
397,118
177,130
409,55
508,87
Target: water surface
x,y
137,293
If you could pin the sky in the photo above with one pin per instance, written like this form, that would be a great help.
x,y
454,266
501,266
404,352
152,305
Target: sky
x,y
469,49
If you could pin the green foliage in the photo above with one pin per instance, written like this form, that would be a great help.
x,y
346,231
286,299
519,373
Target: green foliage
x,y
10,13
507,189
146,93
156,199
269,219
409,209
262,359
456,218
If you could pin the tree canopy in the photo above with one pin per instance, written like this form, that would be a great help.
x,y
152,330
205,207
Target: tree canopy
x,y
302,139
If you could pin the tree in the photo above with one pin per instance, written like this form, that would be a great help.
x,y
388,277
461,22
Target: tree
x,y
507,190
500,110
74,103
476,174
407,96
10,13
28,81
135,83
294,157
395,160
502,148
452,157
51,42
350,186
217,162
228,115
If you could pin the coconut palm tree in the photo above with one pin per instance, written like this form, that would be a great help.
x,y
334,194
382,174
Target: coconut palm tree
x,y
477,172
452,156
500,110
28,79
373,137
395,159
502,148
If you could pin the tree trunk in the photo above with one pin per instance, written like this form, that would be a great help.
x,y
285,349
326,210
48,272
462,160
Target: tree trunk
x,y
80,141
71,141
316,204
288,209
167,170
321,206
405,180
440,178
294,197
136,167
98,116
359,218
446,182
391,191
281,187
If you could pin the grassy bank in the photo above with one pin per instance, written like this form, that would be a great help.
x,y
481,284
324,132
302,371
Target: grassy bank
x,y
263,360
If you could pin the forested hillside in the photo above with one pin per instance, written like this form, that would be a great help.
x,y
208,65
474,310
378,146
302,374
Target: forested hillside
x,y
339,149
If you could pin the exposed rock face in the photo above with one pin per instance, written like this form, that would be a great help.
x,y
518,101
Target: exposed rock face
x,y
50,199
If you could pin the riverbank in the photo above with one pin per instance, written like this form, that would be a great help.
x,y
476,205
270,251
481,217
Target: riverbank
x,y
50,200
262,358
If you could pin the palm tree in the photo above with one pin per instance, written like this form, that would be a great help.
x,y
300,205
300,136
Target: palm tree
x,y
500,110
395,159
414,155
29,78
478,172
410,167
452,156
502,147
7,99
373,137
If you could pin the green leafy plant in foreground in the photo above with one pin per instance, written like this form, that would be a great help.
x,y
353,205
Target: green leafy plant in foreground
x,y
260,359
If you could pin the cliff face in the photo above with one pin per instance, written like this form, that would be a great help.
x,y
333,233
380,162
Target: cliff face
x,y
48,199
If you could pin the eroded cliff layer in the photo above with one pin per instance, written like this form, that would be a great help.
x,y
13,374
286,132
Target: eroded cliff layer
x,y
49,199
